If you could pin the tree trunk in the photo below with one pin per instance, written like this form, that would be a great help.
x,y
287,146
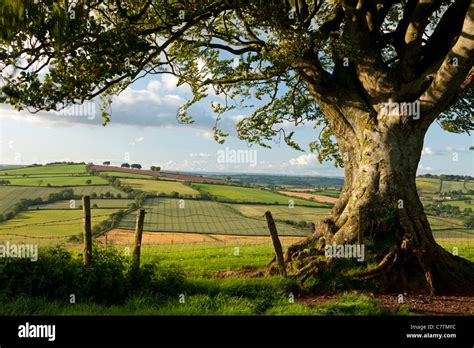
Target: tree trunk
x,y
379,207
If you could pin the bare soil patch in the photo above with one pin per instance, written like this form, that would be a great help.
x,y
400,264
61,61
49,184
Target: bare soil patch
x,y
311,196
121,237
417,303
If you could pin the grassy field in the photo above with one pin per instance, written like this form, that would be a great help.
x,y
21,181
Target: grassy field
x,y
295,214
247,194
126,175
101,203
461,204
58,181
48,226
431,185
329,193
165,215
47,170
10,195
159,186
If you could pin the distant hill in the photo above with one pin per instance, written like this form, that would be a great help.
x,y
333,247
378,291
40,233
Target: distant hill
x,y
10,166
281,180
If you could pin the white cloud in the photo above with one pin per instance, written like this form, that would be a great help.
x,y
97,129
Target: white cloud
x,y
422,168
201,154
428,151
305,160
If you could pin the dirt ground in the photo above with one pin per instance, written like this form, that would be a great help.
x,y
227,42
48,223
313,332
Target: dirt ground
x,y
318,198
420,304
125,237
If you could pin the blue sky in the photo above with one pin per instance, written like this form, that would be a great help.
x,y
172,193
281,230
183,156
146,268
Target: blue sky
x,y
144,130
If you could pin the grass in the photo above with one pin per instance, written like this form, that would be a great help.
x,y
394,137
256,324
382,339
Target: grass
x,y
58,181
252,195
101,203
44,226
10,195
166,215
46,170
126,175
159,186
427,184
461,204
431,185
329,193
295,214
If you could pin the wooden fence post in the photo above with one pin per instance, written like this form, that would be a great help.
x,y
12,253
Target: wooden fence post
x,y
87,231
276,243
138,239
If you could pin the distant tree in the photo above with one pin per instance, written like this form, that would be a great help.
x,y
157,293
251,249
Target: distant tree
x,y
469,222
95,206
88,181
125,165
93,195
155,168
5,182
136,166
89,167
106,163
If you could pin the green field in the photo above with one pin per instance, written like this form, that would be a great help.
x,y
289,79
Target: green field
x,y
165,215
159,186
10,195
247,194
329,193
47,170
126,175
431,185
58,181
48,226
101,203
461,204
282,212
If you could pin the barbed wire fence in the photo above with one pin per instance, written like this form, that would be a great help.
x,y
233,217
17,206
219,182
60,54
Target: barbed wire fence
x,y
194,233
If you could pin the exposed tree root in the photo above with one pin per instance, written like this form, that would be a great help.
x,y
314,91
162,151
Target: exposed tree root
x,y
442,272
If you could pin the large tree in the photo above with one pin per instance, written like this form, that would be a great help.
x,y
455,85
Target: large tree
x,y
373,74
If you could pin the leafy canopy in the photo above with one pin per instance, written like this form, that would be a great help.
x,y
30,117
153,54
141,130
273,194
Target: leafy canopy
x,y
289,55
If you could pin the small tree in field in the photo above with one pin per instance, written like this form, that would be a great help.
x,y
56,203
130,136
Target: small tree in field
x,y
136,166
373,75
106,163
125,165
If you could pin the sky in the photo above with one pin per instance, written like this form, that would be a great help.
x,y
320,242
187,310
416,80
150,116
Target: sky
x,y
144,129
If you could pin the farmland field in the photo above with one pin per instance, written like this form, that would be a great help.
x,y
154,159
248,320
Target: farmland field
x,y
248,194
431,185
58,181
101,203
310,196
10,195
47,170
165,215
282,212
158,186
48,226
460,204
126,175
